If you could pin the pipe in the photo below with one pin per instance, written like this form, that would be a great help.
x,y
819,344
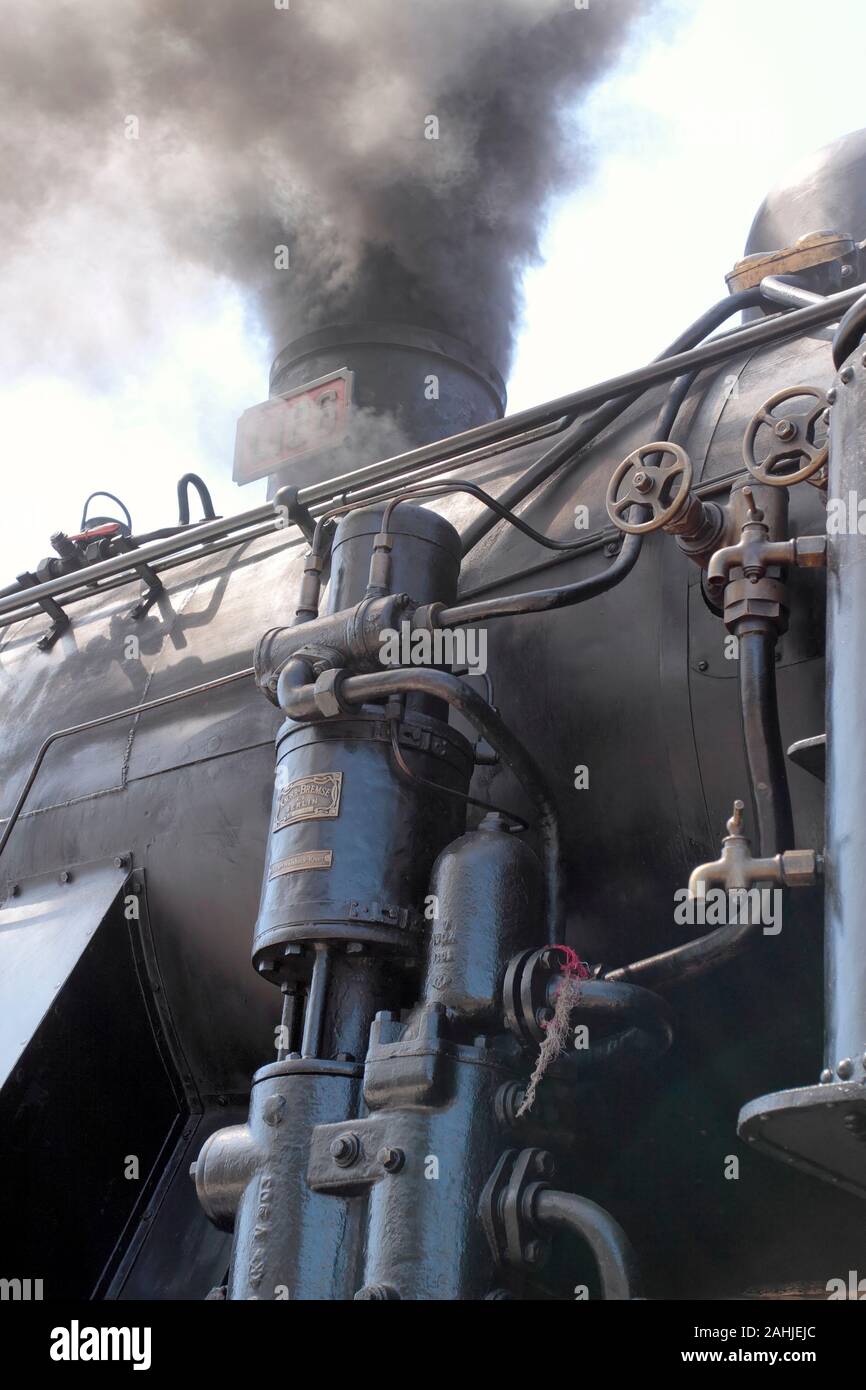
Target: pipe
x,y
143,554
765,757
565,595
586,430
611,1248
314,1018
543,600
687,962
207,508
645,1029
300,705
791,296
845,836
754,335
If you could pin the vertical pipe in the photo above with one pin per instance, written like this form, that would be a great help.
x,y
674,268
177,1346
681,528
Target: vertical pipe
x,y
845,866
765,757
314,1019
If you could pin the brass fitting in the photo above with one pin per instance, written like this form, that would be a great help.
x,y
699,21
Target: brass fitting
x,y
735,869
755,553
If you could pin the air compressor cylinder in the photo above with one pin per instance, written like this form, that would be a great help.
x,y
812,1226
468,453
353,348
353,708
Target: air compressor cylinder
x,y
425,558
352,836
486,897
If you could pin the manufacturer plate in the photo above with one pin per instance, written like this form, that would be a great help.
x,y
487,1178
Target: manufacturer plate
x,y
309,798
310,859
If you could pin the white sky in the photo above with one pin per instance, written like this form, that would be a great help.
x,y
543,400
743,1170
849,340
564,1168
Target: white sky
x,y
692,134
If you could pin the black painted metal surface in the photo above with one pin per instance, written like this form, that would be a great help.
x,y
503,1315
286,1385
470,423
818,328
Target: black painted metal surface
x,y
636,690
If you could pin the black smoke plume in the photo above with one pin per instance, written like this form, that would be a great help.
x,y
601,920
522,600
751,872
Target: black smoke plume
x,y
148,146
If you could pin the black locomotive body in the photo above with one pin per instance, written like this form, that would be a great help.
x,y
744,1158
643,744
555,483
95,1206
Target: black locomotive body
x,y
384,959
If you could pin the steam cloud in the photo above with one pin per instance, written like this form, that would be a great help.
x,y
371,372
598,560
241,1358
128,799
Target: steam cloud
x,y
150,148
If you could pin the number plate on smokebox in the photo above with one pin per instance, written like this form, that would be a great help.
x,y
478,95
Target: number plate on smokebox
x,y
292,426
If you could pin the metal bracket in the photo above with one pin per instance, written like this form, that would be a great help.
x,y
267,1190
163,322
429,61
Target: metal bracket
x,y
60,619
349,1157
149,577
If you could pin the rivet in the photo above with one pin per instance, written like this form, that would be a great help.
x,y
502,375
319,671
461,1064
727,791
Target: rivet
x,y
831,395
846,375
845,1069
826,1076
273,1110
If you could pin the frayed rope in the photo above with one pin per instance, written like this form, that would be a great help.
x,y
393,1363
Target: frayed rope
x,y
556,1031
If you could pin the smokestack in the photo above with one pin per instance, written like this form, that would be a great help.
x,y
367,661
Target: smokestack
x,y
405,386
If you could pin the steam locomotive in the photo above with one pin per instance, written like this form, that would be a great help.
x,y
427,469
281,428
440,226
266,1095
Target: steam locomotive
x,y
406,1009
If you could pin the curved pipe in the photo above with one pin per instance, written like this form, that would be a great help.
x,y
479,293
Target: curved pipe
x,y
611,1248
765,756
300,704
544,600
110,495
645,1027
684,963
564,595
586,430
184,484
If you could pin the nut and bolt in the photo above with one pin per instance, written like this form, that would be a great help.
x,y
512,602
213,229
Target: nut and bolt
x,y
703,665
785,429
544,1164
345,1149
642,481
391,1159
